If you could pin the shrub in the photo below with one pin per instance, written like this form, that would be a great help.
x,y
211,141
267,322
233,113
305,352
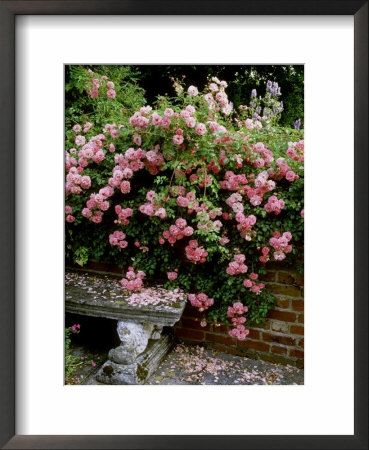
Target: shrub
x,y
191,190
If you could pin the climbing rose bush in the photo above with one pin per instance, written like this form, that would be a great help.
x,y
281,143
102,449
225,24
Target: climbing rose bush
x,y
188,183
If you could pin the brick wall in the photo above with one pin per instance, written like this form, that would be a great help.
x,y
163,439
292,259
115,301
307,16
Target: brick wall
x,y
279,339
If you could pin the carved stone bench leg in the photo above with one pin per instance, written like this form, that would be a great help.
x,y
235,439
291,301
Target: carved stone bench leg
x,y
141,350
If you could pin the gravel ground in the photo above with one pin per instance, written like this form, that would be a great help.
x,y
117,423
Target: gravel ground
x,y
197,365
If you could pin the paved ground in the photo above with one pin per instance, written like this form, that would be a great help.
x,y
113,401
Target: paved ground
x,y
193,365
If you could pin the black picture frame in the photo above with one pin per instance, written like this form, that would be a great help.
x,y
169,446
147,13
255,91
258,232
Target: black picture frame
x,y
8,11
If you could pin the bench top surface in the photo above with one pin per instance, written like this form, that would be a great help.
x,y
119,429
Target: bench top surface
x,y
103,296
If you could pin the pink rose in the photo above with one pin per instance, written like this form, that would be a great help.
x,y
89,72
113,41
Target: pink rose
x,y
200,129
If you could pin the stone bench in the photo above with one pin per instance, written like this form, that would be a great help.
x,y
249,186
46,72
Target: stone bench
x,y
141,317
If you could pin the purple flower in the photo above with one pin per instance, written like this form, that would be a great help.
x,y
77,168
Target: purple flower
x,y
297,124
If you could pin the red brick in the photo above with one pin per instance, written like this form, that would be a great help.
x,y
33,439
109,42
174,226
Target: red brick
x,y
223,329
300,318
193,324
298,305
253,334
282,303
269,276
191,312
301,343
291,291
285,316
274,265
285,277
280,327
291,277
260,346
220,339
284,340
189,334
103,267
278,350
299,279
297,330
264,325
296,353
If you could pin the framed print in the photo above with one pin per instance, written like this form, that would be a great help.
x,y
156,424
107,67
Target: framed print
x,y
39,42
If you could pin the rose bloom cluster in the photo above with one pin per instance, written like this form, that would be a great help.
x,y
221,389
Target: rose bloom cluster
x,y
264,255
76,182
185,200
154,160
296,150
126,165
97,204
176,232
223,240
201,178
236,312
195,253
237,266
117,238
110,92
92,150
252,284
200,301
68,214
232,182
186,114
262,185
173,274
216,129
264,156
111,128
151,209
217,99
281,245
95,87
86,127
123,214
234,201
70,161
251,124
274,205
213,166
283,171
245,224
133,281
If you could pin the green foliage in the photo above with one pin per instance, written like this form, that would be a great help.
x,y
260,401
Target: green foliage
x,y
80,107
71,361
89,241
